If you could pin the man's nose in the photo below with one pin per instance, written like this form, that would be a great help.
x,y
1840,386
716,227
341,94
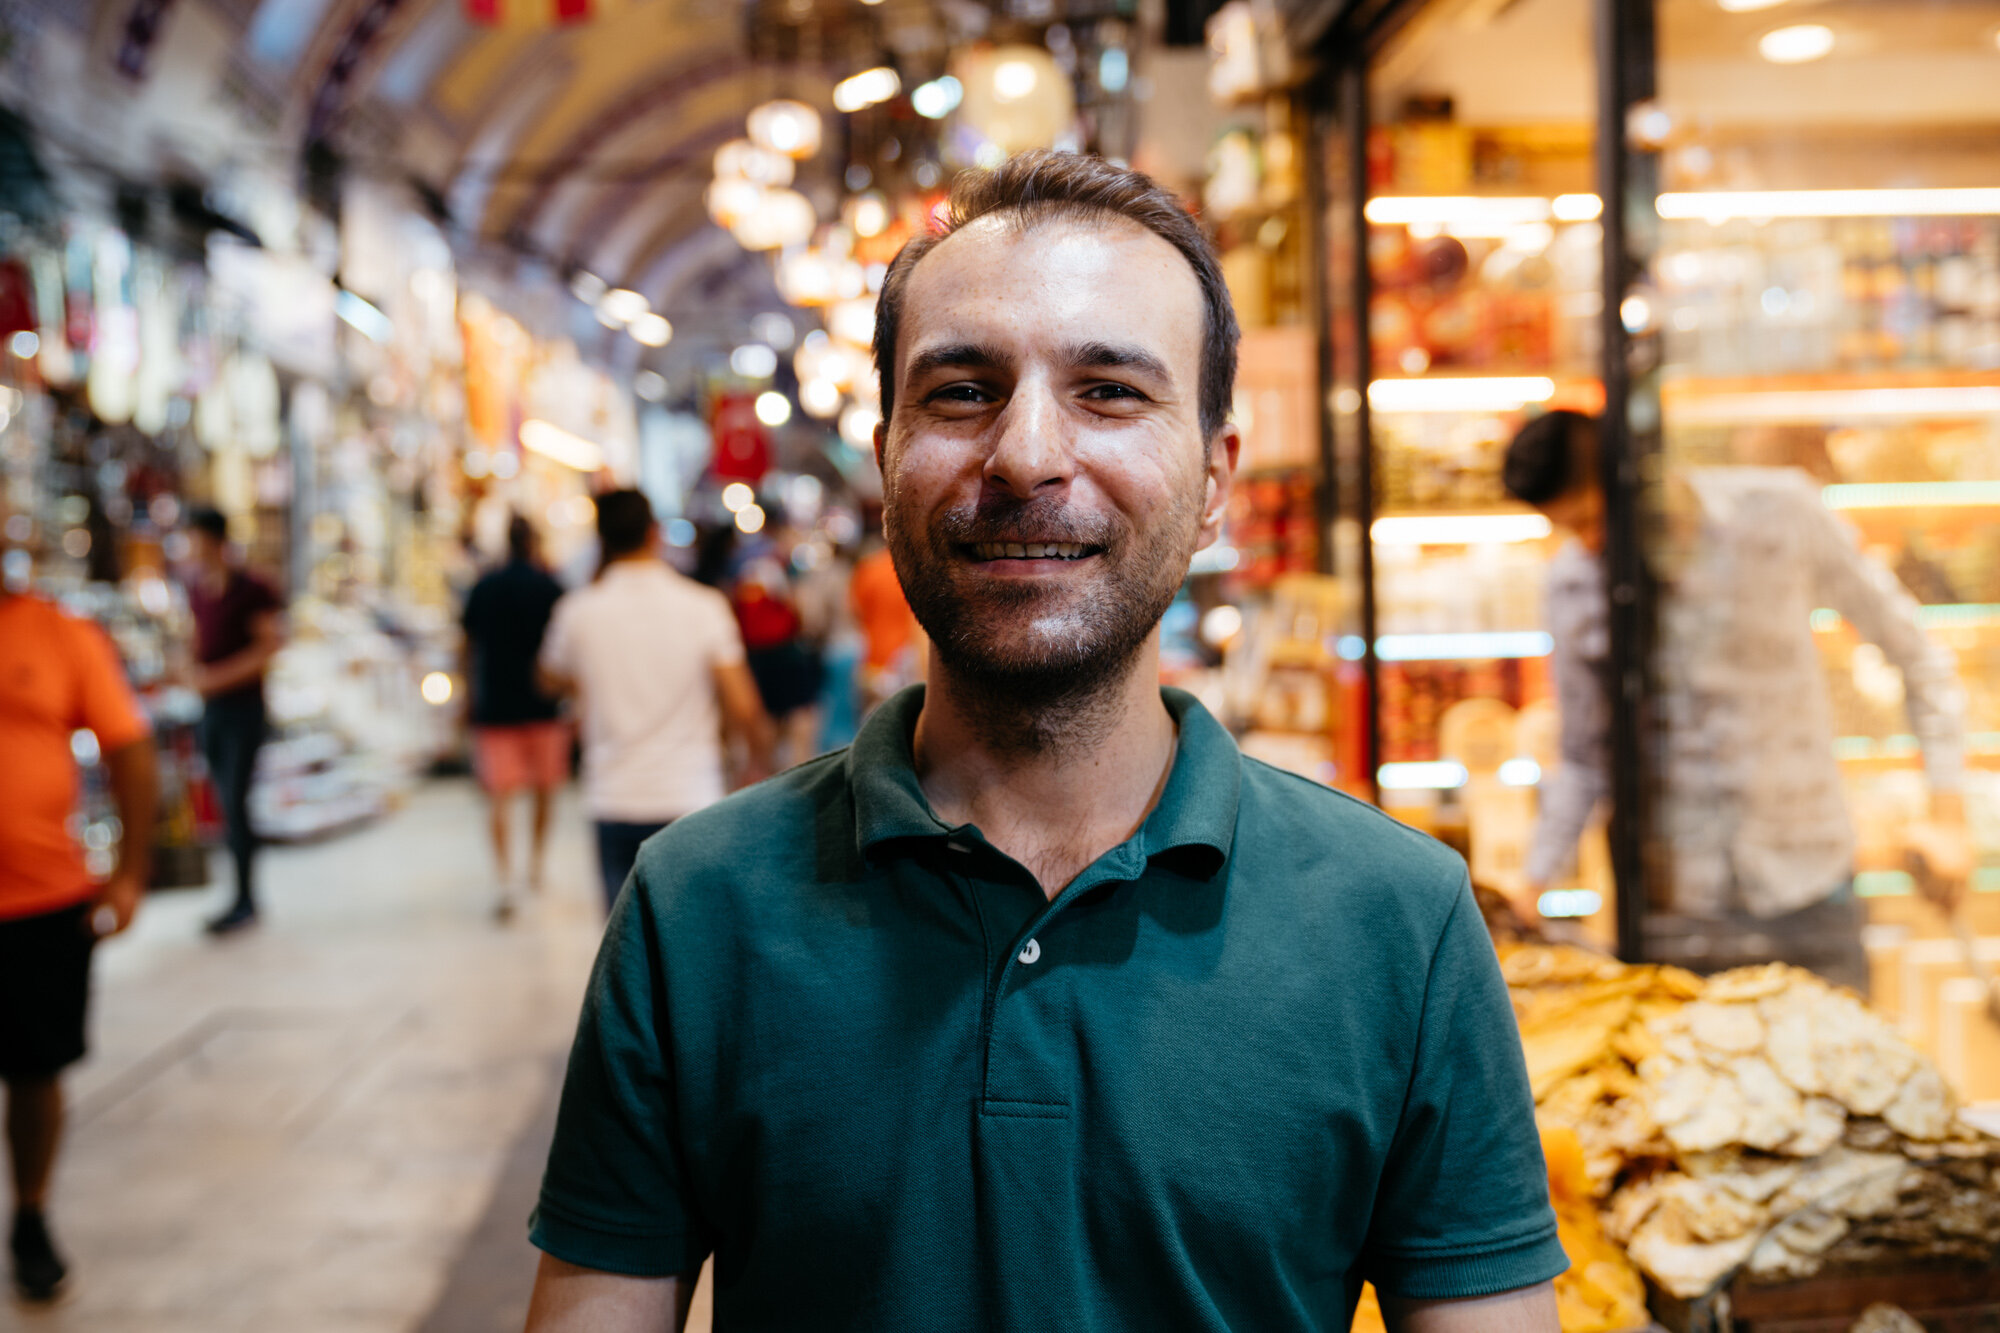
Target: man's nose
x,y
1031,452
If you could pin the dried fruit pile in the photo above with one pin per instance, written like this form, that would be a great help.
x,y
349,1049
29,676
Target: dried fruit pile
x,y
1758,1120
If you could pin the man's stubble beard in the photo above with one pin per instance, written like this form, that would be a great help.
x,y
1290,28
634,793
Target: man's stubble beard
x,y
1040,668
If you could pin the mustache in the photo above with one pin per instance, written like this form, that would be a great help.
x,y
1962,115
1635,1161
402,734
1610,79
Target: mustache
x,y
1005,519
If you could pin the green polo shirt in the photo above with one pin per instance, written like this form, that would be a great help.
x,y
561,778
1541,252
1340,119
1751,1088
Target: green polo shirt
x,y
1255,1054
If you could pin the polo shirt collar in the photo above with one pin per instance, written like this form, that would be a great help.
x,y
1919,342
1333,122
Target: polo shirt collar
x,y
1197,810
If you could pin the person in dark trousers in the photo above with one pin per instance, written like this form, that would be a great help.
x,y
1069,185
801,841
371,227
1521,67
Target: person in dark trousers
x,y
239,627
656,662
518,739
58,675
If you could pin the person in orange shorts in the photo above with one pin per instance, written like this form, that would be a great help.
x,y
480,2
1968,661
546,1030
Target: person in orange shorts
x,y
58,675
518,739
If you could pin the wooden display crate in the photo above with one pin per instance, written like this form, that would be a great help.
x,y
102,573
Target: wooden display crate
x,y
1945,1299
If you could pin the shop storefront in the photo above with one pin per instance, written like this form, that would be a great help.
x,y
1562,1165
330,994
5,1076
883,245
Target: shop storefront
x,y
1758,244
1804,254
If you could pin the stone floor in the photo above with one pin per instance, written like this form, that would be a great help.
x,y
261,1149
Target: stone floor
x,y
333,1123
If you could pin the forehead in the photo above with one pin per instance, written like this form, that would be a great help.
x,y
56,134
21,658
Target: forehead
x,y
1052,284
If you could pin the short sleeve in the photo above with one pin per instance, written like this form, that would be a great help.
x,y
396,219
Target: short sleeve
x,y
1463,1204
728,640
612,1197
264,598
105,705
558,652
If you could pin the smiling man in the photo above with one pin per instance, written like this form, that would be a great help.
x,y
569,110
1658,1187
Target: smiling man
x,y
1041,1006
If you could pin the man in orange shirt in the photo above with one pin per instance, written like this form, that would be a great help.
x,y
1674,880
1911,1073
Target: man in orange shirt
x,y
58,675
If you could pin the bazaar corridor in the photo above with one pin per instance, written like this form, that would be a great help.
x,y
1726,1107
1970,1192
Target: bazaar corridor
x,y
333,1123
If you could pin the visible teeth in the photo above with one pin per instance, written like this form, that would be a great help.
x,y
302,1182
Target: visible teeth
x,y
1028,550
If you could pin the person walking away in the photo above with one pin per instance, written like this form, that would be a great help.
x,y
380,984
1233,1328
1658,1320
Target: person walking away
x,y
1761,837
518,739
657,665
239,628
1042,1006
58,674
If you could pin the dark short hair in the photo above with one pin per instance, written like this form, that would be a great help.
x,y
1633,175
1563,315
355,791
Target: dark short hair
x,y
520,537
623,519
1546,458
1046,186
208,519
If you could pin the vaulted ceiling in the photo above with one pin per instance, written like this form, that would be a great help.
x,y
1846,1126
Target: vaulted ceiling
x,y
587,142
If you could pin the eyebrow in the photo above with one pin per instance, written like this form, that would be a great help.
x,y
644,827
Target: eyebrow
x,y
1102,355
1090,355
970,356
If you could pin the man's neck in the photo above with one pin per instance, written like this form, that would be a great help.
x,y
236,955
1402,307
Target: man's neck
x,y
629,559
1056,787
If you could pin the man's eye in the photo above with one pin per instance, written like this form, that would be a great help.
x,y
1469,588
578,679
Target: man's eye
x,y
961,393
1108,391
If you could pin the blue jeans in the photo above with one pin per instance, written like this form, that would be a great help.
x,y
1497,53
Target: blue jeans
x,y
617,848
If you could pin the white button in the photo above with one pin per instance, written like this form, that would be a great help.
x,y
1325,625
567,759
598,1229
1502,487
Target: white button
x,y
958,847
1031,951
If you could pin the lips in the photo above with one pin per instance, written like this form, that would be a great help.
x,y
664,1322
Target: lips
x,y
1030,550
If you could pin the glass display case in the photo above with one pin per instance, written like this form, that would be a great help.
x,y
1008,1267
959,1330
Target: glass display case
x,y
1818,331
1483,252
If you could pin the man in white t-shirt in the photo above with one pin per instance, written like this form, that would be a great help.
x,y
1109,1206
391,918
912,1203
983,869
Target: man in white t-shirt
x,y
656,662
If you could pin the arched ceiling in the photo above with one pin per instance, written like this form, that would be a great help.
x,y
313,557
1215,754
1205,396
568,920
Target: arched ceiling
x,y
588,143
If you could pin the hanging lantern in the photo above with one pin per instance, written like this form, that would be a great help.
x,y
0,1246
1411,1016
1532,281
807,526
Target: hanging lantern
x,y
853,321
806,278
787,127
745,160
784,217
731,199
1015,97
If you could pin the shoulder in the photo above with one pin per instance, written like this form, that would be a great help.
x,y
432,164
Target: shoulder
x,y
757,846
1327,846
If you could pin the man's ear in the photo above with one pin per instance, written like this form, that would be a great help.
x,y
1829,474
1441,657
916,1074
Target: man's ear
x,y
881,443
1223,451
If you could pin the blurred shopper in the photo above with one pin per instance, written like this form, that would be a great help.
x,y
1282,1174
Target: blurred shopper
x,y
518,741
1756,822
57,674
1041,1006
657,664
893,645
783,662
239,627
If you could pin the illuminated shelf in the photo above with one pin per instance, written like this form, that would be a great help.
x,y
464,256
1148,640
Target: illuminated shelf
x,y
1898,884
1460,529
1486,646
1953,615
1730,205
1912,494
1904,747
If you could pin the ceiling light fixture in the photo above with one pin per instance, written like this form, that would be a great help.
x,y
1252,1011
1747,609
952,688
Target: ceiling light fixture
x,y
787,127
866,88
623,305
652,330
1797,44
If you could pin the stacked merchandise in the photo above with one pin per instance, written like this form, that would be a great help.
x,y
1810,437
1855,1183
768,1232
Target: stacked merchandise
x,y
1759,1121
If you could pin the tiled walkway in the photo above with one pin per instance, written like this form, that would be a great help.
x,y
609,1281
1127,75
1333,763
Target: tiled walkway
x,y
334,1123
